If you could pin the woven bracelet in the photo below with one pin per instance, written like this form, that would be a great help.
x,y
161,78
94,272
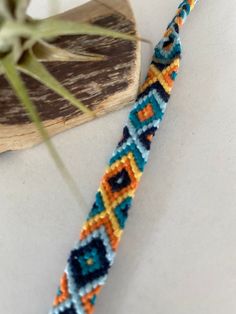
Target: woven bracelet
x,y
89,262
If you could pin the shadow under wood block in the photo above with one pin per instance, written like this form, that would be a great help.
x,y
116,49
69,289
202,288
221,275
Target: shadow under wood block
x,y
103,86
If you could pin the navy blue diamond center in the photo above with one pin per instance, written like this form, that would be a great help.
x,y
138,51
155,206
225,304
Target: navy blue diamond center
x,y
119,181
88,263
143,137
125,137
70,310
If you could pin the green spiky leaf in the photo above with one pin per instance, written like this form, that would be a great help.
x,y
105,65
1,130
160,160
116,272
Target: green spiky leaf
x,y
45,52
32,67
5,10
20,10
51,28
20,90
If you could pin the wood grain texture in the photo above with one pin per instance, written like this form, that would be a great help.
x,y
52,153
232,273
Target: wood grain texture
x,y
103,86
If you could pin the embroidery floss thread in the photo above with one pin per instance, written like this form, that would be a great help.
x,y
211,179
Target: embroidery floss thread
x,y
88,264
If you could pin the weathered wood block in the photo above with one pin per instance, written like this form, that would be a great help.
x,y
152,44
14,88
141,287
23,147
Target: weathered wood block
x,y
103,86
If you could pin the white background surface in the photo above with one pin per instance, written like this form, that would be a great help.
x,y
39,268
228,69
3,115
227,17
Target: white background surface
x,y
178,252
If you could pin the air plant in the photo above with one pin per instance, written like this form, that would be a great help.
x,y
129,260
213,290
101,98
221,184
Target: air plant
x,y
25,44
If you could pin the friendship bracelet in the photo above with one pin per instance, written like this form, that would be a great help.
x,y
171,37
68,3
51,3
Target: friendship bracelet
x,y
89,262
